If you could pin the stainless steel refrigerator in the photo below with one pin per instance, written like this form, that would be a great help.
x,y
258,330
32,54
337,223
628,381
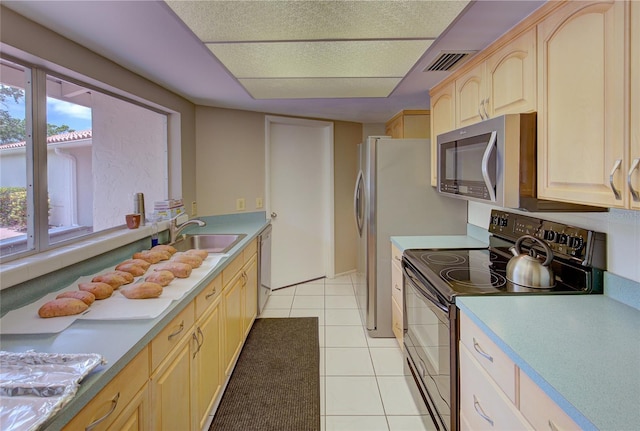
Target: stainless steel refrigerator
x,y
393,197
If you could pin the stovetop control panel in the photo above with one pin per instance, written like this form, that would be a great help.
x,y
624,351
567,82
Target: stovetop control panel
x,y
581,245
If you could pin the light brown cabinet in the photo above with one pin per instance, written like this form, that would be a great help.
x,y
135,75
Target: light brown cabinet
x,y
495,393
122,404
471,96
397,300
176,380
582,149
409,124
633,173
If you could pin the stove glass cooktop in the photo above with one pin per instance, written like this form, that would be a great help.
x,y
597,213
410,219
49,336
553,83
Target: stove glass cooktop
x,y
471,272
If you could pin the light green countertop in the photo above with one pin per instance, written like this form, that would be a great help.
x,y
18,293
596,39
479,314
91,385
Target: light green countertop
x,y
120,341
582,350
475,238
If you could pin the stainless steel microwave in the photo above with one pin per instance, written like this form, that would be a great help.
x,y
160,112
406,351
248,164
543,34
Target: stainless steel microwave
x,y
495,161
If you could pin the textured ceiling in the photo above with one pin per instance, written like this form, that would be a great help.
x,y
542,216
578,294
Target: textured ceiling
x,y
318,49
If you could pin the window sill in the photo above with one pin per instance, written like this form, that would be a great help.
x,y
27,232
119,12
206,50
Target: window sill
x,y
28,268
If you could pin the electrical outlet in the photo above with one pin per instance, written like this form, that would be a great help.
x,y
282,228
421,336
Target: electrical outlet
x,y
258,203
240,204
194,209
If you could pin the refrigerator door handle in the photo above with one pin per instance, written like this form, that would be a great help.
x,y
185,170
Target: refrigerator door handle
x,y
358,203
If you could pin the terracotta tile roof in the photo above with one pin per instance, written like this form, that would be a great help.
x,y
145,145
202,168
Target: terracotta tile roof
x,y
55,139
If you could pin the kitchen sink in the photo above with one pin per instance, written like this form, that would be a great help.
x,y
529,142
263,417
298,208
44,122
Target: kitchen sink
x,y
213,243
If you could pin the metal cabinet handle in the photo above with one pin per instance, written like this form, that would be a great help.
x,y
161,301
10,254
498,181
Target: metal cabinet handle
x,y
484,108
482,353
198,343
210,294
552,426
180,329
635,195
480,109
395,286
274,215
483,415
114,404
616,192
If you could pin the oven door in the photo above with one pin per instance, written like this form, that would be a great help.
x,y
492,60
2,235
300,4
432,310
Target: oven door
x,y
428,340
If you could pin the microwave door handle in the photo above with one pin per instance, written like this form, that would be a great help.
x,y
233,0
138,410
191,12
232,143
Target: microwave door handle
x,y
485,166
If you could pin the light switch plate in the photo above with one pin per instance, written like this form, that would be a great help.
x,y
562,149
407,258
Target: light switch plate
x,y
258,203
194,209
240,204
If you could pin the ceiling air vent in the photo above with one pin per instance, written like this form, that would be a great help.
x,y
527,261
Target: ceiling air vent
x,y
448,60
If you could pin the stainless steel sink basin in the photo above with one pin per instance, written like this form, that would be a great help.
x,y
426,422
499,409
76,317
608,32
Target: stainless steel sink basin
x,y
213,243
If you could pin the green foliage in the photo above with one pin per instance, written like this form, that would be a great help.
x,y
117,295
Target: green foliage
x,y
13,207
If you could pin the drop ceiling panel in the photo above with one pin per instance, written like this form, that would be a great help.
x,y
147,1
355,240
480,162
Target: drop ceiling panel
x,y
318,88
217,21
320,59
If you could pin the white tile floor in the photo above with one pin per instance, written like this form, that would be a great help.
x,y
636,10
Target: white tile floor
x,y
361,378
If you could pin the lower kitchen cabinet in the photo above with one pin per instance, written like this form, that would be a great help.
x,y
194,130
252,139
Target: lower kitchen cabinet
x,y
397,300
495,394
175,381
122,404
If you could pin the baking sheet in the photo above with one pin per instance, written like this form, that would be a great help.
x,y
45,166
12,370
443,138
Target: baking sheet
x,y
26,320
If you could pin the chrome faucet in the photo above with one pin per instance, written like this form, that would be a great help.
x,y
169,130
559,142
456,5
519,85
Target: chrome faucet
x,y
175,228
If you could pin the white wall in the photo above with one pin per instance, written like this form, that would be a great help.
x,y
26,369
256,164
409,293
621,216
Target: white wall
x,y
621,226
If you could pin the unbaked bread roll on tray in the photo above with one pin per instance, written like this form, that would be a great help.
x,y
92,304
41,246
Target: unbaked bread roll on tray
x,y
163,277
132,268
100,290
142,290
62,307
139,262
112,279
189,259
166,248
152,256
180,270
202,254
126,275
84,296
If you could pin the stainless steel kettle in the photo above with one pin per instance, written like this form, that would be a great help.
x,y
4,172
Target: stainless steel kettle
x,y
527,269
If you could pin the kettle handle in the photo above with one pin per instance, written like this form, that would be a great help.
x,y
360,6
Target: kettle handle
x,y
544,245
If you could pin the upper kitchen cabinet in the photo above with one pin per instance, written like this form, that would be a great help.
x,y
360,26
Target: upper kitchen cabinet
x,y
442,120
583,154
633,175
503,83
408,124
511,77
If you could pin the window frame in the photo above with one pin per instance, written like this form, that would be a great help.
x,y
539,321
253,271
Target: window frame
x,y
38,241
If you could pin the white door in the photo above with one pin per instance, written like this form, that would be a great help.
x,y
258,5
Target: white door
x,y
299,199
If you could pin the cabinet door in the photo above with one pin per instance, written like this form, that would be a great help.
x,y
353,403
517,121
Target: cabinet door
x,y
135,416
511,75
250,293
208,362
581,103
483,405
470,95
233,322
442,120
394,127
634,158
171,401
540,410
111,403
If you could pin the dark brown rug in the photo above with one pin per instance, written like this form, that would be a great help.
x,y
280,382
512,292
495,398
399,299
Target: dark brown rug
x,y
276,382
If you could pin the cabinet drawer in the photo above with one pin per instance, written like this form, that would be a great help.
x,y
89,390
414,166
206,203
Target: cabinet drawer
x,y
171,335
396,284
231,270
540,410
250,250
483,405
489,356
208,296
111,401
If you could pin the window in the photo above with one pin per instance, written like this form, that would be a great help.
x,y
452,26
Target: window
x,y
71,159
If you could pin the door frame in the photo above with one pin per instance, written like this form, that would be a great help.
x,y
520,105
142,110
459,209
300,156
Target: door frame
x,y
327,198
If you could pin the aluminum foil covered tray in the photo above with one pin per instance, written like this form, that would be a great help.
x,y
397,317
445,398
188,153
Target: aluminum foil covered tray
x,y
34,386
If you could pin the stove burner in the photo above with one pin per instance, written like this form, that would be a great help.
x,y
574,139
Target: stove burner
x,y
443,258
472,277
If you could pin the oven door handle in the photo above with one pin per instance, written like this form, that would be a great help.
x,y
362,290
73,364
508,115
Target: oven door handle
x,y
424,289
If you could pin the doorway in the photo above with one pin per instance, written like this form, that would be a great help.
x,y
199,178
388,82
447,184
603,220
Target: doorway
x,y
299,198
